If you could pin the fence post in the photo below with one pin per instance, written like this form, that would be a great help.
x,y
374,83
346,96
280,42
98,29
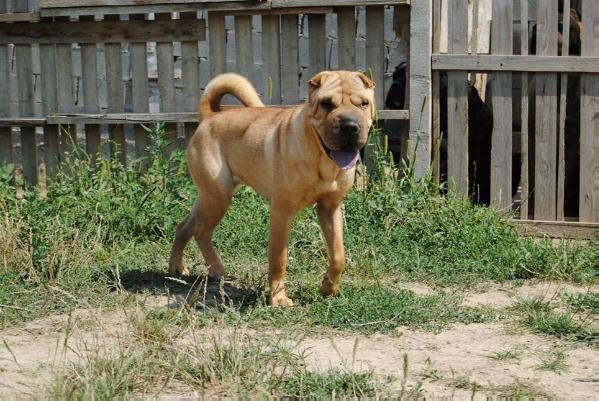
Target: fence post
x,y
589,134
420,85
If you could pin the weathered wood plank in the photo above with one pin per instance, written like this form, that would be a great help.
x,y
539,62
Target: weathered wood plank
x,y
457,102
65,99
139,90
557,229
20,17
481,62
166,83
271,58
91,104
208,3
290,59
375,50
244,50
501,139
420,86
393,114
589,135
317,43
115,97
346,38
309,3
191,77
107,31
121,118
24,69
280,11
524,157
52,153
25,103
436,96
100,3
561,148
154,8
5,132
545,115
217,38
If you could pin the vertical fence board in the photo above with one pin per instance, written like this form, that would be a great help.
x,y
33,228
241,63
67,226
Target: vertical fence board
x,y
457,101
244,50
290,59
501,140
5,132
52,154
191,77
65,102
375,50
166,82
525,194
561,148
139,89
24,70
115,94
91,104
217,38
317,49
420,85
271,58
589,135
346,38
545,115
436,96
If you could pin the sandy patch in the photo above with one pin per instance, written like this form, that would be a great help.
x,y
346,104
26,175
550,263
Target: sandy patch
x,y
503,295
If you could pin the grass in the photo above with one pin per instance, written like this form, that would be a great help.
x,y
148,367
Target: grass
x,y
540,317
505,355
100,234
104,222
554,361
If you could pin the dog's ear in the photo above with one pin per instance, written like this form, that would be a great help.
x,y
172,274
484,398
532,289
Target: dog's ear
x,y
367,81
318,79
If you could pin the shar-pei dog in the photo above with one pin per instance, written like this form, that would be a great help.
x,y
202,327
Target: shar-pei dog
x,y
293,157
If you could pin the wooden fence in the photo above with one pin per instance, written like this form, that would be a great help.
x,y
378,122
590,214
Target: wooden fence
x,y
110,42
543,126
48,105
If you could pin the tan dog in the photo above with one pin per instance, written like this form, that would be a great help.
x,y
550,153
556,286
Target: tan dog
x,y
293,157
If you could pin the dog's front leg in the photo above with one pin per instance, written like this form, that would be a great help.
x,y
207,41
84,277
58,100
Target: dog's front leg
x,y
280,225
331,223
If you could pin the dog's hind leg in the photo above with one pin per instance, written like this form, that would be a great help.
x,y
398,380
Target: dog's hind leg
x,y
211,210
185,230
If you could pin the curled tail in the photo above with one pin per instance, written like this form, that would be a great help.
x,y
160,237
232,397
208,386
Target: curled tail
x,y
232,84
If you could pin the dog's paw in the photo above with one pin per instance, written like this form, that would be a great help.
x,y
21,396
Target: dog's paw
x,y
280,299
179,270
216,272
328,287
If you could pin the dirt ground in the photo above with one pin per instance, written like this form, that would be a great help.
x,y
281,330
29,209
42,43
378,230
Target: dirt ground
x,y
449,363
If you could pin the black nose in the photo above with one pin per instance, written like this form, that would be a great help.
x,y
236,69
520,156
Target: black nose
x,y
350,127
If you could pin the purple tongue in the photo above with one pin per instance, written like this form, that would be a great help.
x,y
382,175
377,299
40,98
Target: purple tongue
x,y
345,158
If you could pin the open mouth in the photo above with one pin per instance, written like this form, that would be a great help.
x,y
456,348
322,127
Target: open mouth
x,y
344,159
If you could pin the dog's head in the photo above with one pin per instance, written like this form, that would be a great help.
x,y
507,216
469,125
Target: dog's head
x,y
341,111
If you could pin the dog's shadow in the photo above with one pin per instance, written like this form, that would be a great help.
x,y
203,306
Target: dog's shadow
x,y
197,291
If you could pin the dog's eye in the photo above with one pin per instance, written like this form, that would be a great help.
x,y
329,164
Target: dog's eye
x,y
326,104
365,103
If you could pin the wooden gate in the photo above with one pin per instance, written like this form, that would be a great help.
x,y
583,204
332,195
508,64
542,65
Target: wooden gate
x,y
543,96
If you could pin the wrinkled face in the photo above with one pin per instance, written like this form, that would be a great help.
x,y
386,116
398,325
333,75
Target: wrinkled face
x,y
342,108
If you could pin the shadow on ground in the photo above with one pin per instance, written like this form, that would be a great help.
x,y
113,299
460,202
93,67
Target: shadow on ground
x,y
199,290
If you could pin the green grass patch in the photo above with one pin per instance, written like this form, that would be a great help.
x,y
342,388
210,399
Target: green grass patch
x,y
540,317
104,226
